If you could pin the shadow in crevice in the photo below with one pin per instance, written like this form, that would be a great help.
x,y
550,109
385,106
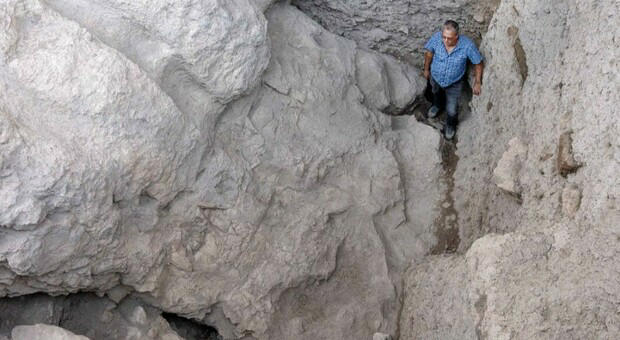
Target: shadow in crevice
x,y
447,231
191,330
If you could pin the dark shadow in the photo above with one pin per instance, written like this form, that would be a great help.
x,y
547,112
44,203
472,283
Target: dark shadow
x,y
190,329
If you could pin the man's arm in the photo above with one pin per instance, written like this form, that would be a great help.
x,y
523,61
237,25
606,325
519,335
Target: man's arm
x,y
428,57
478,68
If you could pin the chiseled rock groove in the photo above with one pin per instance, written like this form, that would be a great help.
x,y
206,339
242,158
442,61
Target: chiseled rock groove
x,y
546,128
211,165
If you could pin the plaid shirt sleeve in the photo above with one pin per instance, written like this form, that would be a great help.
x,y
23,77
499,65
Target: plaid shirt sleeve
x,y
432,42
474,55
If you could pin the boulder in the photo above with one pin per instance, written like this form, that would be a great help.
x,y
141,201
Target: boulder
x,y
43,332
211,165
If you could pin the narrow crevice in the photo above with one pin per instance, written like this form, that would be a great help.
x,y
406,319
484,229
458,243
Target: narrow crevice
x,y
447,231
191,330
446,224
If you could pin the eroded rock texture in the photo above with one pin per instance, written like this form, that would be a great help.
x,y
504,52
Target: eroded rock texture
x,y
215,162
398,27
554,271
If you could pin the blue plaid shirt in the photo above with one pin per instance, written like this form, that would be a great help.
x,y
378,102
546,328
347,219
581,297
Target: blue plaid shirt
x,y
448,68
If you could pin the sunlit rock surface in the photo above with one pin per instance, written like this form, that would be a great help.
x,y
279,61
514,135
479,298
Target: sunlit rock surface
x,y
213,161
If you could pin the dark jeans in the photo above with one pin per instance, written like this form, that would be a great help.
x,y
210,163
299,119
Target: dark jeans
x,y
453,93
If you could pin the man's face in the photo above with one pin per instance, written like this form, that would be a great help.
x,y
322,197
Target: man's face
x,y
449,38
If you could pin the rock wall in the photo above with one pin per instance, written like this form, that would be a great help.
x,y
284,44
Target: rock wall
x,y
538,159
234,163
398,27
212,161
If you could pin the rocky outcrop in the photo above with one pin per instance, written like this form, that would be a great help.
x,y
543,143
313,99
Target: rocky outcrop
x,y
543,266
506,173
398,27
191,156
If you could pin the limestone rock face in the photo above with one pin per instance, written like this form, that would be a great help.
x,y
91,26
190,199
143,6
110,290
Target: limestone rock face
x,y
191,156
398,27
539,107
547,268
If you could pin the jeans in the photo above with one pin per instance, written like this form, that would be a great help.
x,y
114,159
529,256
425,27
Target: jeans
x,y
453,93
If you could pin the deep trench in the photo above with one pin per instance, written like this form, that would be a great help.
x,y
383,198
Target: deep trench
x,y
446,223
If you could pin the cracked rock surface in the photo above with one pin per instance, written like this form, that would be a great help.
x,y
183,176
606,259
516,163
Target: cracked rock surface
x,y
210,160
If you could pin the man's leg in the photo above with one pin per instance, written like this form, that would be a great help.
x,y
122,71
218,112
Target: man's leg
x,y
453,93
434,110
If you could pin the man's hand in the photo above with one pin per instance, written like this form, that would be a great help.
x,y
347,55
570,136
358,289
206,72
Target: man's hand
x,y
427,74
476,88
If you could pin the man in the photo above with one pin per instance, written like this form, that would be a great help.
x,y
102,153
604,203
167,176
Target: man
x,y
444,65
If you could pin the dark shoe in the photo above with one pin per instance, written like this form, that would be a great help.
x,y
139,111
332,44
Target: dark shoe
x,y
449,132
432,112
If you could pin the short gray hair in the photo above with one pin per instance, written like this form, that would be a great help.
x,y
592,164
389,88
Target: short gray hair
x,y
451,25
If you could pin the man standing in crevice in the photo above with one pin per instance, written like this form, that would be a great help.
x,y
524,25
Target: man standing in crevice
x,y
445,62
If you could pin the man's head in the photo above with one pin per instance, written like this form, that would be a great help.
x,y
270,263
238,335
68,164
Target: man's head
x,y
450,33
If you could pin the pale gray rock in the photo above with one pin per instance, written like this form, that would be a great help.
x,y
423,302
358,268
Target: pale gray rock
x,y
219,44
436,304
519,286
118,293
506,173
202,54
43,332
157,149
551,273
306,126
571,199
398,27
372,80
387,84
556,97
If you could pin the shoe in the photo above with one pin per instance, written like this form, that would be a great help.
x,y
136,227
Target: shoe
x,y
449,132
432,112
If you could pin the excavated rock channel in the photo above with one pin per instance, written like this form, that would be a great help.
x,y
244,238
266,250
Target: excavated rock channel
x,y
243,173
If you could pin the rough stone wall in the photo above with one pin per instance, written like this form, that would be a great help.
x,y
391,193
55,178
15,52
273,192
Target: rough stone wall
x,y
564,115
216,162
398,27
538,159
